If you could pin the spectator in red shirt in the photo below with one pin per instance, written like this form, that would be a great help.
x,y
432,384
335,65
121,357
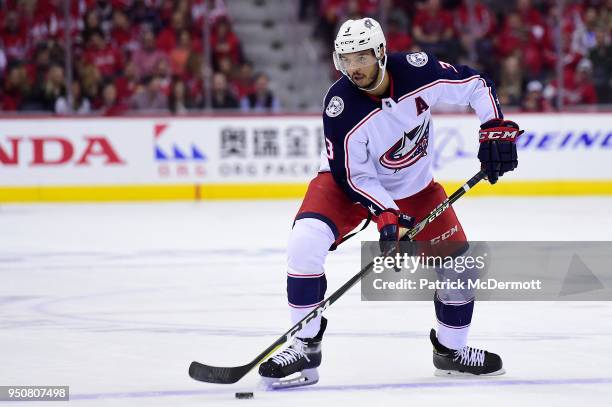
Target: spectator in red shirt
x,y
122,34
530,16
53,12
194,78
37,23
356,9
37,69
432,23
225,43
515,35
147,56
13,38
103,55
475,29
581,90
168,37
397,39
15,88
525,29
126,84
578,88
325,29
368,8
335,6
111,105
243,84
433,30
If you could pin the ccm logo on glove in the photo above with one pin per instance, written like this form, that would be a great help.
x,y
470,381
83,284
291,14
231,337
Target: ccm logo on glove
x,y
502,135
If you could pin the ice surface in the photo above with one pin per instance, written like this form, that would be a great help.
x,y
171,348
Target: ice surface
x,y
116,300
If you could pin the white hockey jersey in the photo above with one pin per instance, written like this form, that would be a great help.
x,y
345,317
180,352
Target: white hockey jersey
x,y
378,150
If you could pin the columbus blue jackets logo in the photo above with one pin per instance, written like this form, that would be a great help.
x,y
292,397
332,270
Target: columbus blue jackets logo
x,y
408,150
335,106
417,59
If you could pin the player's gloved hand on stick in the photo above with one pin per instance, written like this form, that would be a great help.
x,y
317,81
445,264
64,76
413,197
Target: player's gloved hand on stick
x,y
497,152
389,223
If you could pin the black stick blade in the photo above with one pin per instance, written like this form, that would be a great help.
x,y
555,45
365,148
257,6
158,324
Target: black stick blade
x,y
213,374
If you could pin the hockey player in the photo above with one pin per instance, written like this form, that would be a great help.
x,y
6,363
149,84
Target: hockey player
x,y
377,162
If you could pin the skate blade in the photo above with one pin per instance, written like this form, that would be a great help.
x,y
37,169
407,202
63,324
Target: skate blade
x,y
306,377
456,373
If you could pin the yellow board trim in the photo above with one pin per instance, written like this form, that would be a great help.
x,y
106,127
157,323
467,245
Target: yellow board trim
x,y
111,193
537,188
118,193
251,191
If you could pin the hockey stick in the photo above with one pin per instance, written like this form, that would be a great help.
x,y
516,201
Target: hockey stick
x,y
227,375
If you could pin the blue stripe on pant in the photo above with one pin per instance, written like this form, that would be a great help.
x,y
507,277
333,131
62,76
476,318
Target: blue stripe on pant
x,y
306,291
455,316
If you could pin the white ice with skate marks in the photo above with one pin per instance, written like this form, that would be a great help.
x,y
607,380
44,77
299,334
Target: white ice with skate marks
x,y
116,300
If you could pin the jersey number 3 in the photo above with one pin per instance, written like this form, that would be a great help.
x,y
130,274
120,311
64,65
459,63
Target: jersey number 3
x,y
329,149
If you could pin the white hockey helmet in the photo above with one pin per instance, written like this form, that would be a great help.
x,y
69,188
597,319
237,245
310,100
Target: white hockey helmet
x,y
360,35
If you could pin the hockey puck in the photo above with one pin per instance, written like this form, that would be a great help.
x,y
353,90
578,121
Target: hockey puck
x,y
244,395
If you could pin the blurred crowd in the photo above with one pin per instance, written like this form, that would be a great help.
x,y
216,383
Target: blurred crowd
x,y
127,55
514,42
149,55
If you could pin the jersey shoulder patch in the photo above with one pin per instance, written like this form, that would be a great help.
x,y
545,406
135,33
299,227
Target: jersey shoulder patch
x,y
417,59
335,106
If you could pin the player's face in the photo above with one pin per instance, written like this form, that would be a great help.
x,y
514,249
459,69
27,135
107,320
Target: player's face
x,y
361,67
